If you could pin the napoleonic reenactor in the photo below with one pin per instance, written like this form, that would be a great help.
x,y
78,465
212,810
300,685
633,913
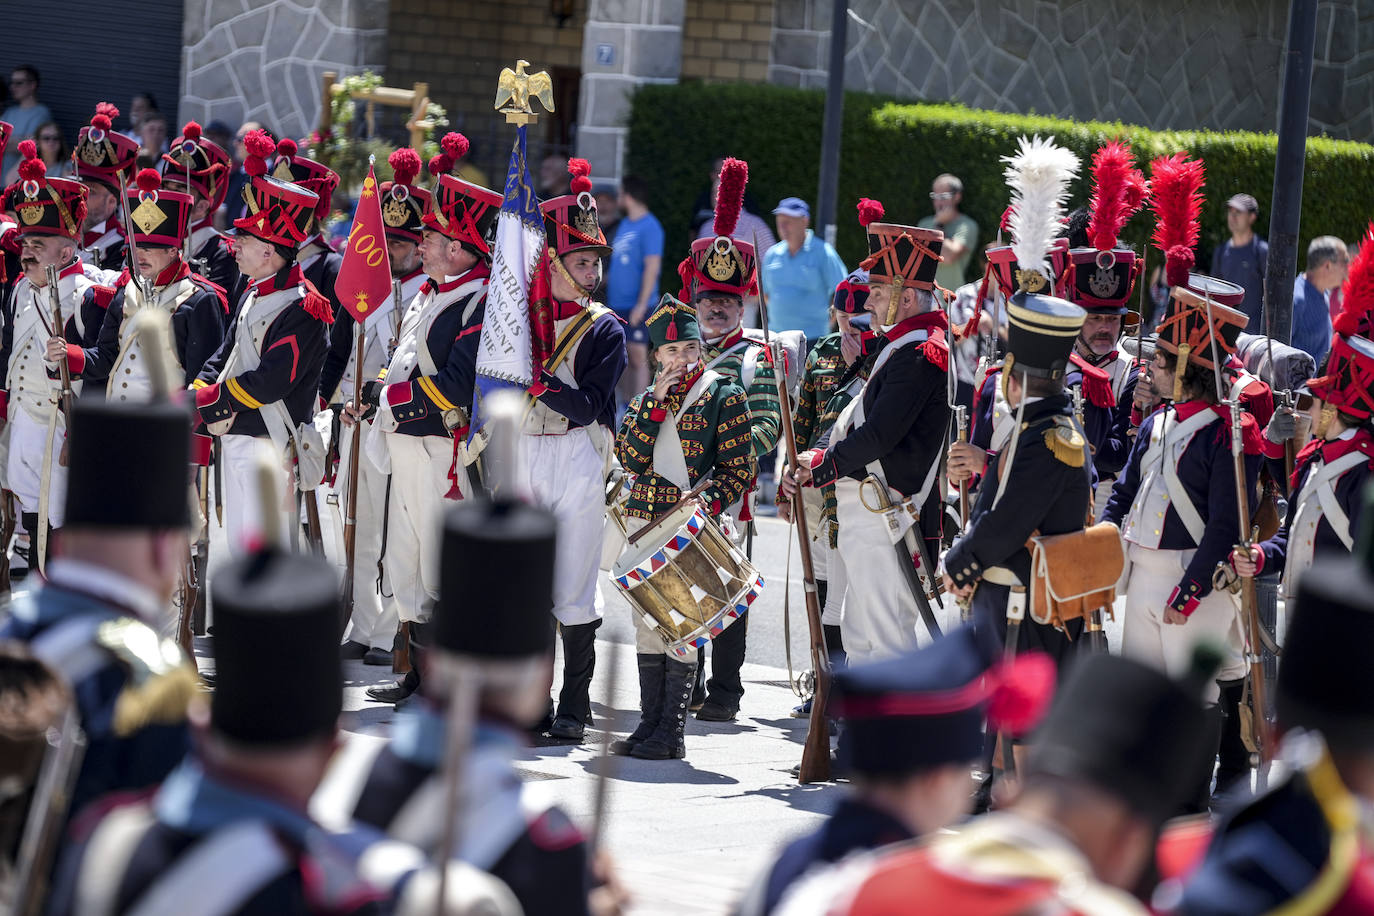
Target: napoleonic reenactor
x,y
261,382
104,157
570,432
422,400
98,620
198,309
50,212
693,423
317,258
200,167
371,629
887,442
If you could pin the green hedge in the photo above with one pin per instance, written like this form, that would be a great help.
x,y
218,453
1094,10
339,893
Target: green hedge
x,y
892,151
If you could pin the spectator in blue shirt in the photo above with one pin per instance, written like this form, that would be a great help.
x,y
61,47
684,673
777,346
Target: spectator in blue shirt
x,y
1243,258
632,285
800,273
1328,262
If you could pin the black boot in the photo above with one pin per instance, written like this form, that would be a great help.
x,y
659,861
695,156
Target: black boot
x,y
699,682
1199,801
667,740
1233,756
834,646
651,668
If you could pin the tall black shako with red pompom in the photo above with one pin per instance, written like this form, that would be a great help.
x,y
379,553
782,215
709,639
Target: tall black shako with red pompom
x,y
571,221
279,211
101,155
159,216
403,204
43,205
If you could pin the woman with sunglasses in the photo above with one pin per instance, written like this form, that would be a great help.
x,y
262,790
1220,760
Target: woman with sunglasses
x,y
25,113
52,149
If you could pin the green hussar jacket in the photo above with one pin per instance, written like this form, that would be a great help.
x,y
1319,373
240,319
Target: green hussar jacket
x,y
824,366
764,413
837,397
715,438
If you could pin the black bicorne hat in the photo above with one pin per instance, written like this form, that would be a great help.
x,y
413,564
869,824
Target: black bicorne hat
x,y
279,680
127,465
496,581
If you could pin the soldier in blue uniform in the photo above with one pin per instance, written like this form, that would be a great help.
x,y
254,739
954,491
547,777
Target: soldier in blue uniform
x,y
102,157
1041,482
1304,845
913,726
889,438
228,831
198,308
422,398
198,166
261,382
495,557
98,619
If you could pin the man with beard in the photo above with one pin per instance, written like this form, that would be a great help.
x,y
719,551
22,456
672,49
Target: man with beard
x,y
198,310
421,400
569,434
50,212
717,275
102,157
889,438
371,629
200,167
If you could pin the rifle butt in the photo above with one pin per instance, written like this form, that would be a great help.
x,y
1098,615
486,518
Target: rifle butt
x,y
400,656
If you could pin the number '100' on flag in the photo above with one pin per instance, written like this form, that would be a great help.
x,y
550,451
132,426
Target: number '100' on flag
x,y
364,279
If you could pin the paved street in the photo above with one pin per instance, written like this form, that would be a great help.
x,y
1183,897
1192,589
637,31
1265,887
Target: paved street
x,y
687,836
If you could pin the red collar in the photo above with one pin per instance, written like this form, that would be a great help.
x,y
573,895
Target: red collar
x,y
177,270
729,340
1189,409
269,285
684,385
562,310
926,321
478,271
208,222
1362,441
71,270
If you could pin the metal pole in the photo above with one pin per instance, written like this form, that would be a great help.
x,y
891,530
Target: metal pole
x,y
828,191
1286,209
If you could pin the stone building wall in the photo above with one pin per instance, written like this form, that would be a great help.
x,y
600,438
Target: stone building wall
x,y
727,40
1158,63
460,48
262,60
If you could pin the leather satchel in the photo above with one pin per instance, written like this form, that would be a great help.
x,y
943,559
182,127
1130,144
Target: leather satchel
x,y
1074,574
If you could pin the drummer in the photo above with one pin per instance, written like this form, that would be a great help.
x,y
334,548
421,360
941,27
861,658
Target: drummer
x,y
693,423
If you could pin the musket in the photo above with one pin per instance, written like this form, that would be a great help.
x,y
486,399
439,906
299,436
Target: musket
x,y
59,329
47,816
202,554
1092,625
131,248
351,505
1249,606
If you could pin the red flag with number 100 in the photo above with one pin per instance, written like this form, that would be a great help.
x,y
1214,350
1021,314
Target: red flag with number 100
x,y
364,279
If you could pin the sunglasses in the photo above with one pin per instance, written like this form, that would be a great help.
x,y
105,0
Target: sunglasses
x,y
941,195
49,138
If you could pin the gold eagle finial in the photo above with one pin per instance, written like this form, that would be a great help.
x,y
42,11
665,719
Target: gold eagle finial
x,y
515,88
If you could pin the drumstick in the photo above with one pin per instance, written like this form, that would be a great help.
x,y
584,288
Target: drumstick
x,y
690,494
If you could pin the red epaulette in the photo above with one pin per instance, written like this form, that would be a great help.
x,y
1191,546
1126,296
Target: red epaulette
x,y
553,830
1181,846
316,304
102,295
1252,438
210,286
936,350
1097,384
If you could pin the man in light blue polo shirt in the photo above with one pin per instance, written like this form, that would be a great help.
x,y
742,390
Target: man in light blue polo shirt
x,y
800,273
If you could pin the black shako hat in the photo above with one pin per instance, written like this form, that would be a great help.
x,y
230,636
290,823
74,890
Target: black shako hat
x,y
1326,682
1040,333
127,465
276,612
1129,730
927,708
496,581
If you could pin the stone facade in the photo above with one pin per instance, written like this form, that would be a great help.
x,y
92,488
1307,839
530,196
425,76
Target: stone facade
x,y
460,48
727,40
262,60
1157,63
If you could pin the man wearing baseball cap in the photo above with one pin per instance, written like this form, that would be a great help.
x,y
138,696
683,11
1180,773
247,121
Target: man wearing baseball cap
x,y
800,273
1241,259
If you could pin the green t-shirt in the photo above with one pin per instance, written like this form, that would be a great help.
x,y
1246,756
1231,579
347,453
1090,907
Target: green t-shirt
x,y
950,273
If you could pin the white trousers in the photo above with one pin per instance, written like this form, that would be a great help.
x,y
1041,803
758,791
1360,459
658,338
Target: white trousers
x,y
567,477
1169,647
29,440
837,581
243,520
880,615
419,480
647,640
371,623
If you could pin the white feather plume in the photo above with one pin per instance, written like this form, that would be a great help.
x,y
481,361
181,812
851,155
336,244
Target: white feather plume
x,y
1039,176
